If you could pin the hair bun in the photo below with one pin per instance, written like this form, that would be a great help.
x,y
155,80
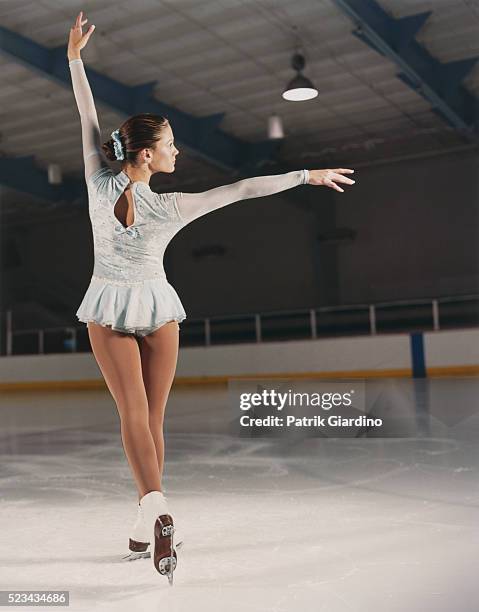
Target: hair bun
x,y
108,149
136,133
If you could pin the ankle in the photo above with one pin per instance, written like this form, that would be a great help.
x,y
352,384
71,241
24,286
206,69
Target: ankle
x,y
141,495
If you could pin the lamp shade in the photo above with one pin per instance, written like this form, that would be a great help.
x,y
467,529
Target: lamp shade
x,y
300,88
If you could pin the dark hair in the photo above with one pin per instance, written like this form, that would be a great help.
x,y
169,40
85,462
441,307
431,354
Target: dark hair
x,y
138,132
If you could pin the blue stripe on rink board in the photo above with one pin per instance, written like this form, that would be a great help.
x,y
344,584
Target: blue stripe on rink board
x,y
417,355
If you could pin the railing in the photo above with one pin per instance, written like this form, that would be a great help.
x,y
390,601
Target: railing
x,y
332,321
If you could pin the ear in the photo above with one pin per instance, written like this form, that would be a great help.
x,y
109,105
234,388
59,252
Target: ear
x,y
143,156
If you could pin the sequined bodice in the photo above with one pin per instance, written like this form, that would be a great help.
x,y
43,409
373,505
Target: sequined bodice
x,y
136,252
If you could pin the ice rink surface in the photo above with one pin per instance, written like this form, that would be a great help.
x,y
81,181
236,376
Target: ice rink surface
x,y
270,525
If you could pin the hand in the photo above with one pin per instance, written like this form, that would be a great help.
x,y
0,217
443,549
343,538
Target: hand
x,y
77,39
328,176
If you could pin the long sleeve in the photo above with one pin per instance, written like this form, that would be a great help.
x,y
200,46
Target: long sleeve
x,y
92,153
194,205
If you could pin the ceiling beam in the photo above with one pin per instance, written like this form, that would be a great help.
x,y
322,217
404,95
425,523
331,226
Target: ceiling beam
x,y
22,174
438,83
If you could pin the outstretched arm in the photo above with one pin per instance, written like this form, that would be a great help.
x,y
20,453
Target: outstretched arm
x,y
91,136
194,205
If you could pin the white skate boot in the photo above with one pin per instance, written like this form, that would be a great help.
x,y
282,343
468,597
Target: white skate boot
x,y
140,539
160,524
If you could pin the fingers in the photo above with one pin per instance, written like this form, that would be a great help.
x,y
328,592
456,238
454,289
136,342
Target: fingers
x,y
89,32
329,176
79,22
330,183
342,179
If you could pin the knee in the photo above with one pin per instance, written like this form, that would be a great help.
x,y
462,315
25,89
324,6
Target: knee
x,y
155,421
133,414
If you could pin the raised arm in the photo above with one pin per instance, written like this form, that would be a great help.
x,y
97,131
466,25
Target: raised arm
x,y
91,136
194,205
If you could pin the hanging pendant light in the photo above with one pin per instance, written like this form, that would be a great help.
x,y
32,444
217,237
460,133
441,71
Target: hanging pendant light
x,y
54,174
300,87
275,127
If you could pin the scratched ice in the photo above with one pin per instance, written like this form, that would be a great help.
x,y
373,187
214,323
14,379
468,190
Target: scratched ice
x,y
336,525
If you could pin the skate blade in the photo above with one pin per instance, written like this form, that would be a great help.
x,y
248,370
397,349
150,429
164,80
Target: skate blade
x,y
133,556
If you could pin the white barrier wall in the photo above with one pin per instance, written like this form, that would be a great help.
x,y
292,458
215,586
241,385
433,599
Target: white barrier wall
x,y
367,356
357,353
452,348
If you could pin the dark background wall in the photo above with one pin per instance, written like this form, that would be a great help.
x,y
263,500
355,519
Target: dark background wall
x,y
416,224
270,260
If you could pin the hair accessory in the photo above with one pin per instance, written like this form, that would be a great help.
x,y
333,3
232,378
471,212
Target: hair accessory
x,y
117,145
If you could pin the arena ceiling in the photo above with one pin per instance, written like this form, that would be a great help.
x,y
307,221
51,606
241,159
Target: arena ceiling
x,y
395,80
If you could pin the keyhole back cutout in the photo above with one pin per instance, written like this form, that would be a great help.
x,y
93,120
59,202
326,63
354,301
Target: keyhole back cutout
x,y
124,209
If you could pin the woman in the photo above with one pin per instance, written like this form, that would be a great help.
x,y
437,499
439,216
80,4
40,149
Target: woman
x,y
132,312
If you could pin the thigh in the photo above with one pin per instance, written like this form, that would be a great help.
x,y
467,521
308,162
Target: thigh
x,y
159,354
118,357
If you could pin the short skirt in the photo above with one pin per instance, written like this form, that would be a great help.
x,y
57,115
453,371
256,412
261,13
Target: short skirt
x,y
136,307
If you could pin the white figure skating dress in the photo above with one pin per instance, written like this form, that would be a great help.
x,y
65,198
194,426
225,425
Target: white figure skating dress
x,y
129,290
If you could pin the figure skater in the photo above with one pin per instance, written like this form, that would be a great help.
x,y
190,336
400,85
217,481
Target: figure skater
x,y
131,311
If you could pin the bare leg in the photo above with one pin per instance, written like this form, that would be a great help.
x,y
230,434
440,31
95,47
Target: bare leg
x,y
118,356
159,354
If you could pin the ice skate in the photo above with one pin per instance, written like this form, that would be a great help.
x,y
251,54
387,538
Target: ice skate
x,y
139,541
160,523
